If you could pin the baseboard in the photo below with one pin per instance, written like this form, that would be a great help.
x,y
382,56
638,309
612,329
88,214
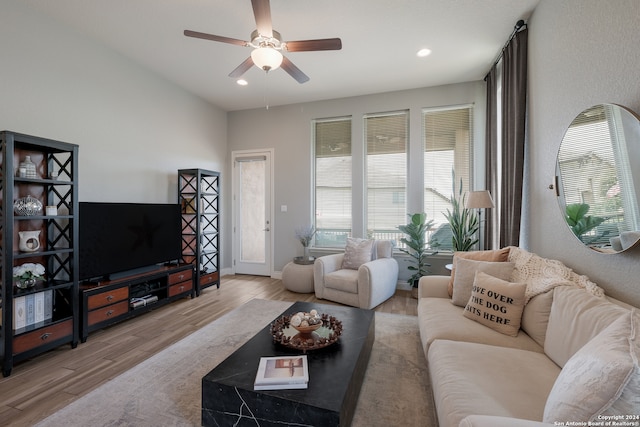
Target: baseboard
x,y
403,285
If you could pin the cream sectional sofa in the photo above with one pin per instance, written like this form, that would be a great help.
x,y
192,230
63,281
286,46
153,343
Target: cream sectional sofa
x,y
574,358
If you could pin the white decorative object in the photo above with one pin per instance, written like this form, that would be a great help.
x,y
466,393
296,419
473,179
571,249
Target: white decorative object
x,y
29,168
51,210
29,241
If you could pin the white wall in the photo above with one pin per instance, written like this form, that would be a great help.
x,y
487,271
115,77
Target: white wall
x,y
134,128
288,131
581,53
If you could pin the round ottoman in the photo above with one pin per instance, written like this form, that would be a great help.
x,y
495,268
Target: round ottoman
x,y
298,277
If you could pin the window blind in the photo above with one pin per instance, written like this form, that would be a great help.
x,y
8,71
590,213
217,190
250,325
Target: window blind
x,y
386,137
333,181
448,141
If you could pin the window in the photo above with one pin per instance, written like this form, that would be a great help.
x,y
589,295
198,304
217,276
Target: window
x,y
386,166
447,135
333,175
366,186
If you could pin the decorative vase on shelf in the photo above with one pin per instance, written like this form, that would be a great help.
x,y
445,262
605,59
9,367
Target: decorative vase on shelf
x,y
27,206
29,241
306,253
29,167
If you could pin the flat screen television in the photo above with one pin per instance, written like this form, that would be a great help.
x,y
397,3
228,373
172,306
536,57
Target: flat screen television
x,y
121,237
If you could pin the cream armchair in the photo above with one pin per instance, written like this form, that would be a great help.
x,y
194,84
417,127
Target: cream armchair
x,y
370,285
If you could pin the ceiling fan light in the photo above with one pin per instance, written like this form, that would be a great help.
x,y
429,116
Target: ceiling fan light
x,y
266,58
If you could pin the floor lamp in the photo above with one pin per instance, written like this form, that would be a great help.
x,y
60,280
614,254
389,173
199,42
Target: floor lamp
x,y
479,200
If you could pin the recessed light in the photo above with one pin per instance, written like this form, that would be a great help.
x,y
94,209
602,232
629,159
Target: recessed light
x,y
242,82
424,52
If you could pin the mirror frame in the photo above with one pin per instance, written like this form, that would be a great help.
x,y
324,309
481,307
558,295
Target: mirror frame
x,y
575,214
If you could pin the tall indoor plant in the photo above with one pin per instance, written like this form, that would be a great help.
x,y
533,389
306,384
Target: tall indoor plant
x,y
416,242
464,222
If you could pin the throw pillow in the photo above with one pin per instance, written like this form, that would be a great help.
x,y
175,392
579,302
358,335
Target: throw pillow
x,y
357,252
467,272
602,378
499,255
496,303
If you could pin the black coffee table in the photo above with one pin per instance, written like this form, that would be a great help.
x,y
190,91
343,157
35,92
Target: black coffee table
x,y
335,377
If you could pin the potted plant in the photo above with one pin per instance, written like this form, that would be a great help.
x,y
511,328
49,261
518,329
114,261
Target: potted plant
x,y
304,235
416,242
464,222
27,274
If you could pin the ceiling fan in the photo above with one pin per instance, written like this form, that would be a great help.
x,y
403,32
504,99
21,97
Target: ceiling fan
x,y
267,45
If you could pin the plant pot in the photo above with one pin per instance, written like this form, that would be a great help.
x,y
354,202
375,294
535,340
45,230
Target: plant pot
x,y
26,283
414,293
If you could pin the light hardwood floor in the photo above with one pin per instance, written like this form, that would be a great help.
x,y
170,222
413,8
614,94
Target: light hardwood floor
x,y
49,382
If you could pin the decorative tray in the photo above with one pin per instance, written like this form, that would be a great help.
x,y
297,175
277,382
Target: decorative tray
x,y
304,338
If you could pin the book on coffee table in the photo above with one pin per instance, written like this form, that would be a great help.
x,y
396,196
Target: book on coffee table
x,y
282,372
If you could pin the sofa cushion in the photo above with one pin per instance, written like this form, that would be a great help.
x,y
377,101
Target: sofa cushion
x,y
496,303
576,317
602,378
498,255
470,378
535,316
466,273
357,252
345,280
439,319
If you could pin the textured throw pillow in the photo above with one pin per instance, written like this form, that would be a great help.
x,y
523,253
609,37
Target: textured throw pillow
x,y
466,273
357,252
498,255
602,378
496,303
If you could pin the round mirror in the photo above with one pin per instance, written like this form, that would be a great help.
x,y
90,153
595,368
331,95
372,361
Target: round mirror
x,y
596,184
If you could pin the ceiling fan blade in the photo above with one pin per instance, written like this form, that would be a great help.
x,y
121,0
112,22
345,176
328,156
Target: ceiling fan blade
x,y
309,45
242,68
262,13
294,71
215,38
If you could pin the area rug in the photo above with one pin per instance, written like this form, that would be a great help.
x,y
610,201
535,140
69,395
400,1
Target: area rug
x,y
165,390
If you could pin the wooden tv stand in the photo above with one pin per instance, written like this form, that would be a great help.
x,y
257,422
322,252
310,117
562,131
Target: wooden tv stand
x,y
107,302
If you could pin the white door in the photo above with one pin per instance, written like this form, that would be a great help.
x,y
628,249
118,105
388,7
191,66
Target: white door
x,y
252,212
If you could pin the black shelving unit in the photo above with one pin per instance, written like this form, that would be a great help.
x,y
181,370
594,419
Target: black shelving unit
x,y
199,194
45,316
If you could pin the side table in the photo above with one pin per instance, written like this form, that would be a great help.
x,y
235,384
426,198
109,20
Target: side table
x,y
298,277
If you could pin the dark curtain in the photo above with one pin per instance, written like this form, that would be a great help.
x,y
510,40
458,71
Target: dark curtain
x,y
507,191
514,120
491,138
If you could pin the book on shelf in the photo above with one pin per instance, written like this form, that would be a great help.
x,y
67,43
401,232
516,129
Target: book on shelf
x,y
282,372
19,313
39,308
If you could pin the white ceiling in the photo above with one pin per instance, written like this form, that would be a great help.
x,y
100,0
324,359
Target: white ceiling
x,y
380,39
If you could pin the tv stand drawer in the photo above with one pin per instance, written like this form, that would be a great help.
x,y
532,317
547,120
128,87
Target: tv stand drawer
x,y
180,288
180,276
109,297
108,313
